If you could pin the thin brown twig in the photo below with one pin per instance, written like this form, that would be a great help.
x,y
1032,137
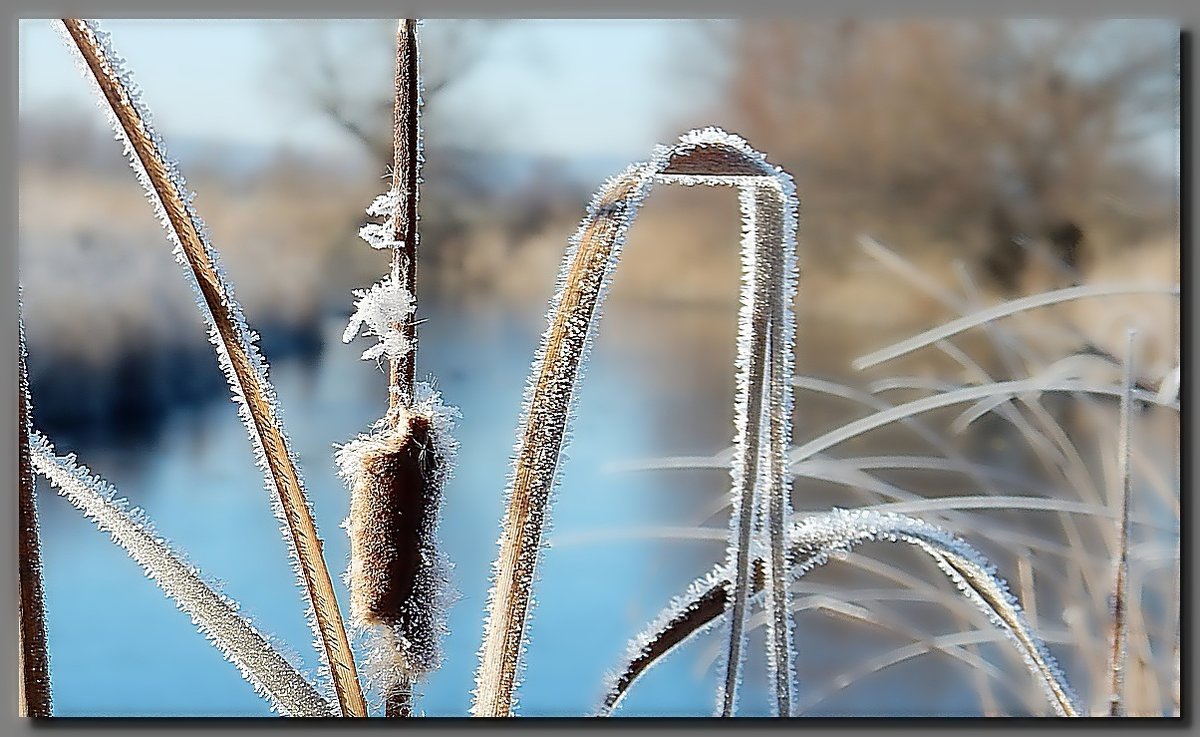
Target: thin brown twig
x,y
264,424
1116,661
34,683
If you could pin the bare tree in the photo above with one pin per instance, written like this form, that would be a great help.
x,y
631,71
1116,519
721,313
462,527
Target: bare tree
x,y
342,70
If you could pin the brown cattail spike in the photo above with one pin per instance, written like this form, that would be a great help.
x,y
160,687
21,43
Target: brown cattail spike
x,y
397,577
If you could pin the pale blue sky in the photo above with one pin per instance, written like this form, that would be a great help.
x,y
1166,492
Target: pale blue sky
x,y
543,86
531,80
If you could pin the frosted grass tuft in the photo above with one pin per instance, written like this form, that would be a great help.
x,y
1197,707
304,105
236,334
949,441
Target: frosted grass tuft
x,y
814,540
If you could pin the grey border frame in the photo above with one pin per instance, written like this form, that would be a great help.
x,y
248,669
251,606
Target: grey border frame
x,y
1186,12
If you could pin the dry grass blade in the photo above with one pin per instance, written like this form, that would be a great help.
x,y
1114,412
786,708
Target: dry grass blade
x,y
261,664
1120,630
813,540
1003,310
33,684
244,366
949,398
702,157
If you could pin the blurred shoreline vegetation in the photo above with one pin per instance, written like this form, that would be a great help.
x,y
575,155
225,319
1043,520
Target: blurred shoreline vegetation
x,y
990,142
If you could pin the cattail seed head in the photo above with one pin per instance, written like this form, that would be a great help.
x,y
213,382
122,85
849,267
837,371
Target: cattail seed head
x,y
398,576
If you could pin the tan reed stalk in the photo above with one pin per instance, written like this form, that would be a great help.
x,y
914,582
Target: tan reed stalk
x,y
1120,630
244,374
33,684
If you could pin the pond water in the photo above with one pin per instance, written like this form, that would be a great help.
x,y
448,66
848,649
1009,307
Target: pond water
x,y
119,647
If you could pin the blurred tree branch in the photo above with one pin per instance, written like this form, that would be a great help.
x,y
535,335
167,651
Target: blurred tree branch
x,y
341,71
972,134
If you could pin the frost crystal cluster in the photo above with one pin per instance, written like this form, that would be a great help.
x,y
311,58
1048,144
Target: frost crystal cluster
x,y
382,310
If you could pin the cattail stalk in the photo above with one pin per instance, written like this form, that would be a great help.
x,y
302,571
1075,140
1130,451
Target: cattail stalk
x,y
406,142
406,146
398,577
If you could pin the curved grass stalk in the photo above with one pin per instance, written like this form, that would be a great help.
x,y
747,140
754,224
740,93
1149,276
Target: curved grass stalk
x,y
965,651
947,644
269,672
1003,310
848,472
34,698
813,540
244,367
1053,448
706,157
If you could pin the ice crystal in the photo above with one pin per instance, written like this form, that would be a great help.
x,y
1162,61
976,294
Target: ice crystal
x,y
383,310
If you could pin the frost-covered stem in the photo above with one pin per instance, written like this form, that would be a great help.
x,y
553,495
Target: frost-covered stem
x,y
259,662
537,458
1116,656
775,221
33,684
406,132
812,542
245,377
746,470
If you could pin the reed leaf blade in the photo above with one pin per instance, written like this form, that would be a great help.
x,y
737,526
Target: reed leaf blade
x,y
234,343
